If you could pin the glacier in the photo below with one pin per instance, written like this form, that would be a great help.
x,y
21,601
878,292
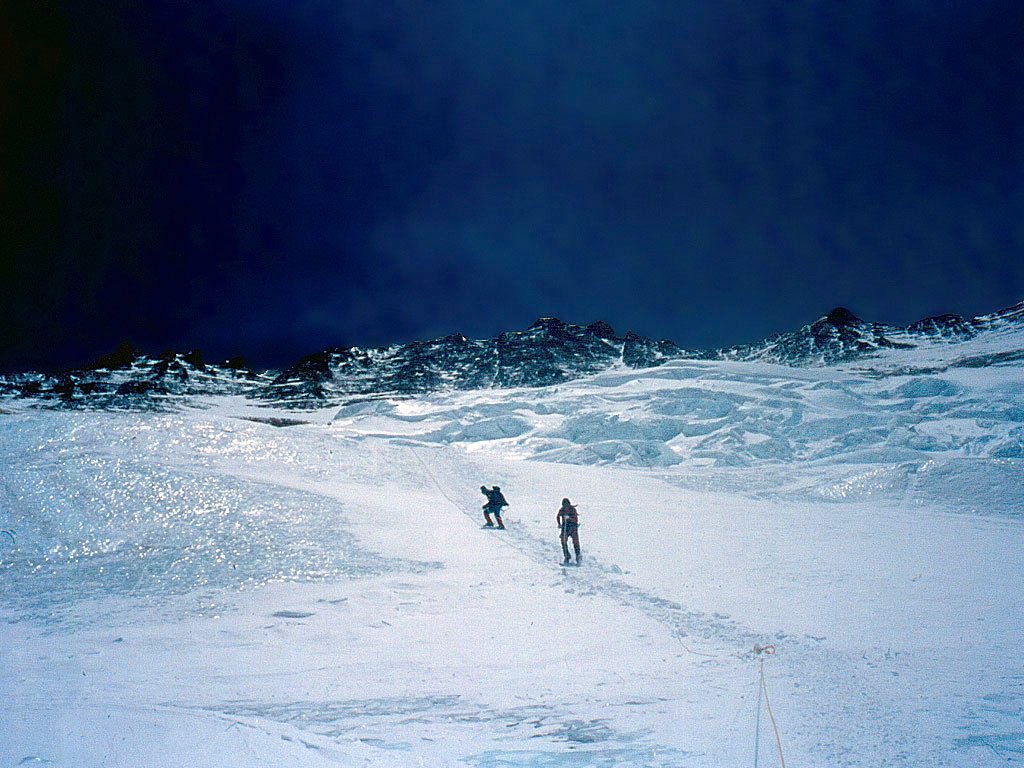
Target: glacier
x,y
226,580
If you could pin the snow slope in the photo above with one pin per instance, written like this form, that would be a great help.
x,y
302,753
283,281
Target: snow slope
x,y
204,588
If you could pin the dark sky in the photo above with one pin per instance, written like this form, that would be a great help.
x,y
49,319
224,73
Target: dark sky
x,y
270,177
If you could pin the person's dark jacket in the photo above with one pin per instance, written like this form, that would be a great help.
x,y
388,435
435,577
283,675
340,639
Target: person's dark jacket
x,y
495,499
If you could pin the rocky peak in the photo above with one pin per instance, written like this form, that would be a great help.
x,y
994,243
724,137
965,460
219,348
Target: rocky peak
x,y
546,324
237,363
315,367
943,325
601,329
195,359
120,358
841,317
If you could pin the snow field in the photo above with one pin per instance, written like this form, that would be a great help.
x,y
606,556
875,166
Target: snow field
x,y
200,588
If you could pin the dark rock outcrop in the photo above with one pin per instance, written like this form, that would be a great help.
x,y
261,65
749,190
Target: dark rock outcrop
x,y
120,358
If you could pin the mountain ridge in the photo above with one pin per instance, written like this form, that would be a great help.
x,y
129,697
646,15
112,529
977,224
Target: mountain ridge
x,y
548,352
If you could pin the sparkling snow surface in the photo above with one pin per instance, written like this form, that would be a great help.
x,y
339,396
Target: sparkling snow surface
x,y
199,588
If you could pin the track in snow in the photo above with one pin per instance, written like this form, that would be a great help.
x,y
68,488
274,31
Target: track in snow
x,y
862,724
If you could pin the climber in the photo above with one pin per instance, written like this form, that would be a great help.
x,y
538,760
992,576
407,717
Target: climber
x,y
495,501
568,520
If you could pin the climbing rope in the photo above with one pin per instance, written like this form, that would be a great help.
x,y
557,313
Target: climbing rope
x,y
757,722
433,479
761,652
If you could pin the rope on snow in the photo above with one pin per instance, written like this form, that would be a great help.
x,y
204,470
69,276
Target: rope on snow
x,y
761,652
434,480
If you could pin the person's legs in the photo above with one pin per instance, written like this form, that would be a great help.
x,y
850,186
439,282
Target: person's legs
x,y
487,517
497,516
575,545
565,546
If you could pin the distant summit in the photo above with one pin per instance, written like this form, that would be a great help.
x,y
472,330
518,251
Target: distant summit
x,y
841,336
548,352
837,337
129,379
122,357
841,316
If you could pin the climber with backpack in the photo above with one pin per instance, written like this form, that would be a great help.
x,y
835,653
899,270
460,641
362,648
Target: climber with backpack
x,y
495,501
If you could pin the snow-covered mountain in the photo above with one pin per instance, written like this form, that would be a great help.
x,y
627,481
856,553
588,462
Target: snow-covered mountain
x,y
548,352
224,579
128,379
840,336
